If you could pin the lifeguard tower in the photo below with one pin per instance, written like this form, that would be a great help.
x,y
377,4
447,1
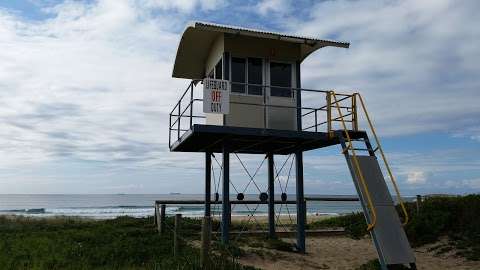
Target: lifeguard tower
x,y
250,101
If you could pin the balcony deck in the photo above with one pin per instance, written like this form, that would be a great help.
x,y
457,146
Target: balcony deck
x,y
317,111
209,138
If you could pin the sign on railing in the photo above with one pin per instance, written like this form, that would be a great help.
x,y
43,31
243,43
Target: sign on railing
x,y
216,96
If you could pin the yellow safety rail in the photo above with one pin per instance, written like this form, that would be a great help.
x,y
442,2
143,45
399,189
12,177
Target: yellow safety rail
x,y
394,182
357,165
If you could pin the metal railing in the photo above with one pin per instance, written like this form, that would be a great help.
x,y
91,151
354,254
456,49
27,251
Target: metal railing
x,y
316,112
387,166
359,172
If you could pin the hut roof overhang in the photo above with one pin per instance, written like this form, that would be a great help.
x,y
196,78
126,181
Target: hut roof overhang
x,y
198,37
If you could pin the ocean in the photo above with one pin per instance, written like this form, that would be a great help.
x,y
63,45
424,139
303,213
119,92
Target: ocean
x,y
108,206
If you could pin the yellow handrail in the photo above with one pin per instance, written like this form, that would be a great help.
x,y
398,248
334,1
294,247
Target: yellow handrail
x,y
357,166
384,160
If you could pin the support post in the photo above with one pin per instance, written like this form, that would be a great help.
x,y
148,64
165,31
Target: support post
x,y
226,196
176,235
301,213
208,181
206,223
161,222
271,197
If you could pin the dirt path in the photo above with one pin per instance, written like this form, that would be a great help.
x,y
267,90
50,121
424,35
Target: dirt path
x,y
340,252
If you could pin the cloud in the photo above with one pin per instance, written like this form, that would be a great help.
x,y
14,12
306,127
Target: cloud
x,y
90,83
185,6
416,178
470,131
414,62
272,7
469,184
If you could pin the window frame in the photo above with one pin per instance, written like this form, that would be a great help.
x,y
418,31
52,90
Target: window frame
x,y
292,76
245,93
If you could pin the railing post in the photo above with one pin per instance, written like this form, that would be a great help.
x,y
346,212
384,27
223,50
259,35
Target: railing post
x,y
316,121
176,235
299,96
191,104
170,130
329,114
354,112
179,119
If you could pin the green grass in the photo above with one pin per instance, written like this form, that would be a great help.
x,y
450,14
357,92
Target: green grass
x,y
354,224
122,243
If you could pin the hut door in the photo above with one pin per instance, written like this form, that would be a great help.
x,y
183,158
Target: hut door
x,y
280,98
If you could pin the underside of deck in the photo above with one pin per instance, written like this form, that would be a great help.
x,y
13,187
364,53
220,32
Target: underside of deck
x,y
210,138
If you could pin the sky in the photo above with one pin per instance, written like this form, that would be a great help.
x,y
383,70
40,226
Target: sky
x,y
86,88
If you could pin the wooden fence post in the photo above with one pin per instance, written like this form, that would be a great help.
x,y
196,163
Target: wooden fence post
x,y
155,207
161,219
176,235
205,249
419,203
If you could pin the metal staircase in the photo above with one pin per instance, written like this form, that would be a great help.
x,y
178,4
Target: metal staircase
x,y
383,221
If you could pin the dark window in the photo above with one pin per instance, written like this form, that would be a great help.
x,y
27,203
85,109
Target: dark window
x,y
281,76
218,70
238,75
255,76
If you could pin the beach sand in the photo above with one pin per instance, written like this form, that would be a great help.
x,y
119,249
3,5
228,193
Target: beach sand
x,y
341,252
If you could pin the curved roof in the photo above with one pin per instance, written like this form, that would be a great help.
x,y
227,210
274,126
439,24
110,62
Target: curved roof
x,y
198,37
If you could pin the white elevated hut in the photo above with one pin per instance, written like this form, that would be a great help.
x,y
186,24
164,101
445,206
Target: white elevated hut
x,y
262,67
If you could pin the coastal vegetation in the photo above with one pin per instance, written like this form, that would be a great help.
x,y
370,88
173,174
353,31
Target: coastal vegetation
x,y
121,243
453,217
134,243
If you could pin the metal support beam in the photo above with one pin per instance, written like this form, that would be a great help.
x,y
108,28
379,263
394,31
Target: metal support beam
x,y
207,222
208,182
271,197
226,196
301,213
